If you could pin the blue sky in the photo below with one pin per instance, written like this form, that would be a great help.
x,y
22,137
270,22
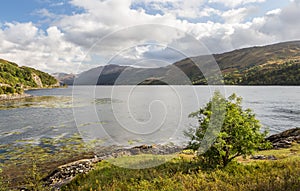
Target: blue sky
x,y
67,35
31,11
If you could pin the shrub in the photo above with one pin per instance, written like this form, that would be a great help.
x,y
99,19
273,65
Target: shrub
x,y
239,134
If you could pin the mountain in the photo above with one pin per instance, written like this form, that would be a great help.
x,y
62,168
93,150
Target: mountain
x,y
276,64
14,79
64,78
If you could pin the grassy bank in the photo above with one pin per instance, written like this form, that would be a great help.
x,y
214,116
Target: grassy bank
x,y
177,172
186,173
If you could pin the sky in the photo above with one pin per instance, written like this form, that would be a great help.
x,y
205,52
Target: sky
x,y
74,35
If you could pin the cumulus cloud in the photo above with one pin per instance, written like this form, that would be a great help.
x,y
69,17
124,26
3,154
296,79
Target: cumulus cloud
x,y
104,29
237,15
235,3
283,24
47,50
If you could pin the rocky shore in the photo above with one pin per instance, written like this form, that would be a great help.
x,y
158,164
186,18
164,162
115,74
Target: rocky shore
x,y
65,173
5,97
285,138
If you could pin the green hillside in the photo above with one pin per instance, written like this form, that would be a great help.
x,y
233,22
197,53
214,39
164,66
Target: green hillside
x,y
277,64
14,79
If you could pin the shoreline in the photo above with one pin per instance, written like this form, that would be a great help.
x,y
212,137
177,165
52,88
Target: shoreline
x,y
8,97
63,171
64,174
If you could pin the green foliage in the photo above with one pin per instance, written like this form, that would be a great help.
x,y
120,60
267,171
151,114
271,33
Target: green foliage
x,y
14,78
239,135
10,90
46,79
1,91
275,74
270,74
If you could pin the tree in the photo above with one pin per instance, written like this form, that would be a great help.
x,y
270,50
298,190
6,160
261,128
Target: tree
x,y
239,134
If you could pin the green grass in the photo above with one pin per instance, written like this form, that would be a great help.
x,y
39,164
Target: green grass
x,y
140,161
183,171
186,173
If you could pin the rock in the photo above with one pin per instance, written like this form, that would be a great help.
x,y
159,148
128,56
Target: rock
x,y
65,173
263,157
271,157
143,147
24,189
37,80
6,97
285,138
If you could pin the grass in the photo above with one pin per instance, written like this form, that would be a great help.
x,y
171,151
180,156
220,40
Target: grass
x,y
280,154
167,172
140,161
186,173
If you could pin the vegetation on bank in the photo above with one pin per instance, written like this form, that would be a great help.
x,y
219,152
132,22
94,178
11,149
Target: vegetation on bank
x,y
272,74
186,172
14,79
286,73
225,131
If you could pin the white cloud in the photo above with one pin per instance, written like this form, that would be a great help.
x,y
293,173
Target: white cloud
x,y
235,3
183,9
236,15
274,12
27,45
63,44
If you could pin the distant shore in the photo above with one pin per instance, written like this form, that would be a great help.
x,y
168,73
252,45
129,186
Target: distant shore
x,y
5,97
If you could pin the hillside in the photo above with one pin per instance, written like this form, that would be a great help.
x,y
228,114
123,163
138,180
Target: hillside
x,y
15,79
277,64
64,78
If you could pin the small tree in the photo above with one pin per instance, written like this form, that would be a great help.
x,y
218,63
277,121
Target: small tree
x,y
239,134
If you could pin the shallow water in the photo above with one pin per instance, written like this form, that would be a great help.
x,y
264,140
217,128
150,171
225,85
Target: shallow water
x,y
128,115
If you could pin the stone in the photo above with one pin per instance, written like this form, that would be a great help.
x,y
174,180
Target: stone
x,y
263,157
65,173
285,138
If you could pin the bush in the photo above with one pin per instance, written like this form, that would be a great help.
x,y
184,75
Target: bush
x,y
10,90
239,134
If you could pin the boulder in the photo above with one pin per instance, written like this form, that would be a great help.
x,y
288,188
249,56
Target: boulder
x,y
285,138
263,157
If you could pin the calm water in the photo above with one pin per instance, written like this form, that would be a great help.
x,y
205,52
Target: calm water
x,y
128,115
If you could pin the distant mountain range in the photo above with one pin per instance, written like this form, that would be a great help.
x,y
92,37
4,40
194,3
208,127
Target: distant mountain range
x,y
277,64
14,79
64,78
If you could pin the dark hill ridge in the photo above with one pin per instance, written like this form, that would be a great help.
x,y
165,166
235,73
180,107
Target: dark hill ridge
x,y
276,64
14,79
